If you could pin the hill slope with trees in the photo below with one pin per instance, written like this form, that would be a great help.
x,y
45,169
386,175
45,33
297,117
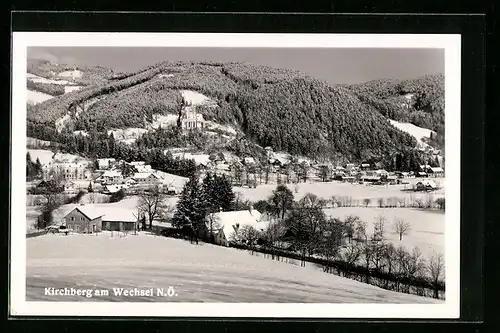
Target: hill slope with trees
x,y
285,109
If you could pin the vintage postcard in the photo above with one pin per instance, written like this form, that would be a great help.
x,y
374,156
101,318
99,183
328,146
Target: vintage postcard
x,y
235,175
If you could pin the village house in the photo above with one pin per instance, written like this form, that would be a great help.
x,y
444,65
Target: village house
x,y
137,163
230,223
114,188
111,177
84,219
435,172
365,166
70,187
105,163
425,185
67,171
172,183
92,219
249,161
143,168
146,179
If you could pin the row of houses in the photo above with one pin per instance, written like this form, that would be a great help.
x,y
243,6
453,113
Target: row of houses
x,y
113,180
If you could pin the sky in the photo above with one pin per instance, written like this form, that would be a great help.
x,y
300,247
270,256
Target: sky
x,y
334,65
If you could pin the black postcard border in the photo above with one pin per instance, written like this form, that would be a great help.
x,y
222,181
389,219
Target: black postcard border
x,y
472,29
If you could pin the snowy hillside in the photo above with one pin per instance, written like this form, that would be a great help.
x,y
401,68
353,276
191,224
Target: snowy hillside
x,y
45,156
36,97
204,272
417,132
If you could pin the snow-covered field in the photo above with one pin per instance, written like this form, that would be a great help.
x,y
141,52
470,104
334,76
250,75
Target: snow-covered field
x,y
127,135
198,158
417,132
198,273
195,98
356,191
36,97
164,121
427,227
70,158
73,74
68,89
39,79
45,156
36,142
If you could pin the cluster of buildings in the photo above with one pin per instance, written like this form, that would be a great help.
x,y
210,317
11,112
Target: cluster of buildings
x,y
112,178
66,170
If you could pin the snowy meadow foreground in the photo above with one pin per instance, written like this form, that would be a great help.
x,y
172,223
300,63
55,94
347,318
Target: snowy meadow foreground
x,y
197,273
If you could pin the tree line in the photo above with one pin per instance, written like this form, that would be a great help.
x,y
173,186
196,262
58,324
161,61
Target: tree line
x,y
302,229
47,88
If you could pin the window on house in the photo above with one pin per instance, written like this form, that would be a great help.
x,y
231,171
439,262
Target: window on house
x,y
72,218
81,218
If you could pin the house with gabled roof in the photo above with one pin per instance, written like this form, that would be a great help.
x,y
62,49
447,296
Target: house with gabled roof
x,y
230,223
84,219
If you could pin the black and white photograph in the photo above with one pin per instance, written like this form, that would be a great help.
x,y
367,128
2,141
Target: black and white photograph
x,y
287,175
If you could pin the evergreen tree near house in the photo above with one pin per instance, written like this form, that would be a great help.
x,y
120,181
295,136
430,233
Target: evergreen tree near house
x,y
191,208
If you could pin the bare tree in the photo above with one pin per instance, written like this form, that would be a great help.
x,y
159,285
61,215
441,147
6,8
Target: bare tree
x,y
332,238
152,204
350,224
379,229
367,201
401,228
360,231
52,199
435,268
213,224
272,234
91,197
380,202
440,202
350,254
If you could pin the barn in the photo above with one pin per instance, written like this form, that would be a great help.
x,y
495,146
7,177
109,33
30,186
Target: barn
x,y
84,219
118,219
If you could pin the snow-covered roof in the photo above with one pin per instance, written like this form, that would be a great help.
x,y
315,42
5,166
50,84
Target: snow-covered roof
x,y
235,220
249,160
89,211
222,166
117,214
137,163
437,169
114,188
112,173
162,224
428,183
170,179
142,175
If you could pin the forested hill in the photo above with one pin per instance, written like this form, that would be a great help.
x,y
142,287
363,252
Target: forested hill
x,y
87,75
281,108
418,101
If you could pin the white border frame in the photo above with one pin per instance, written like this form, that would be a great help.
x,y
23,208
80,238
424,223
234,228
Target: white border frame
x,y
449,309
